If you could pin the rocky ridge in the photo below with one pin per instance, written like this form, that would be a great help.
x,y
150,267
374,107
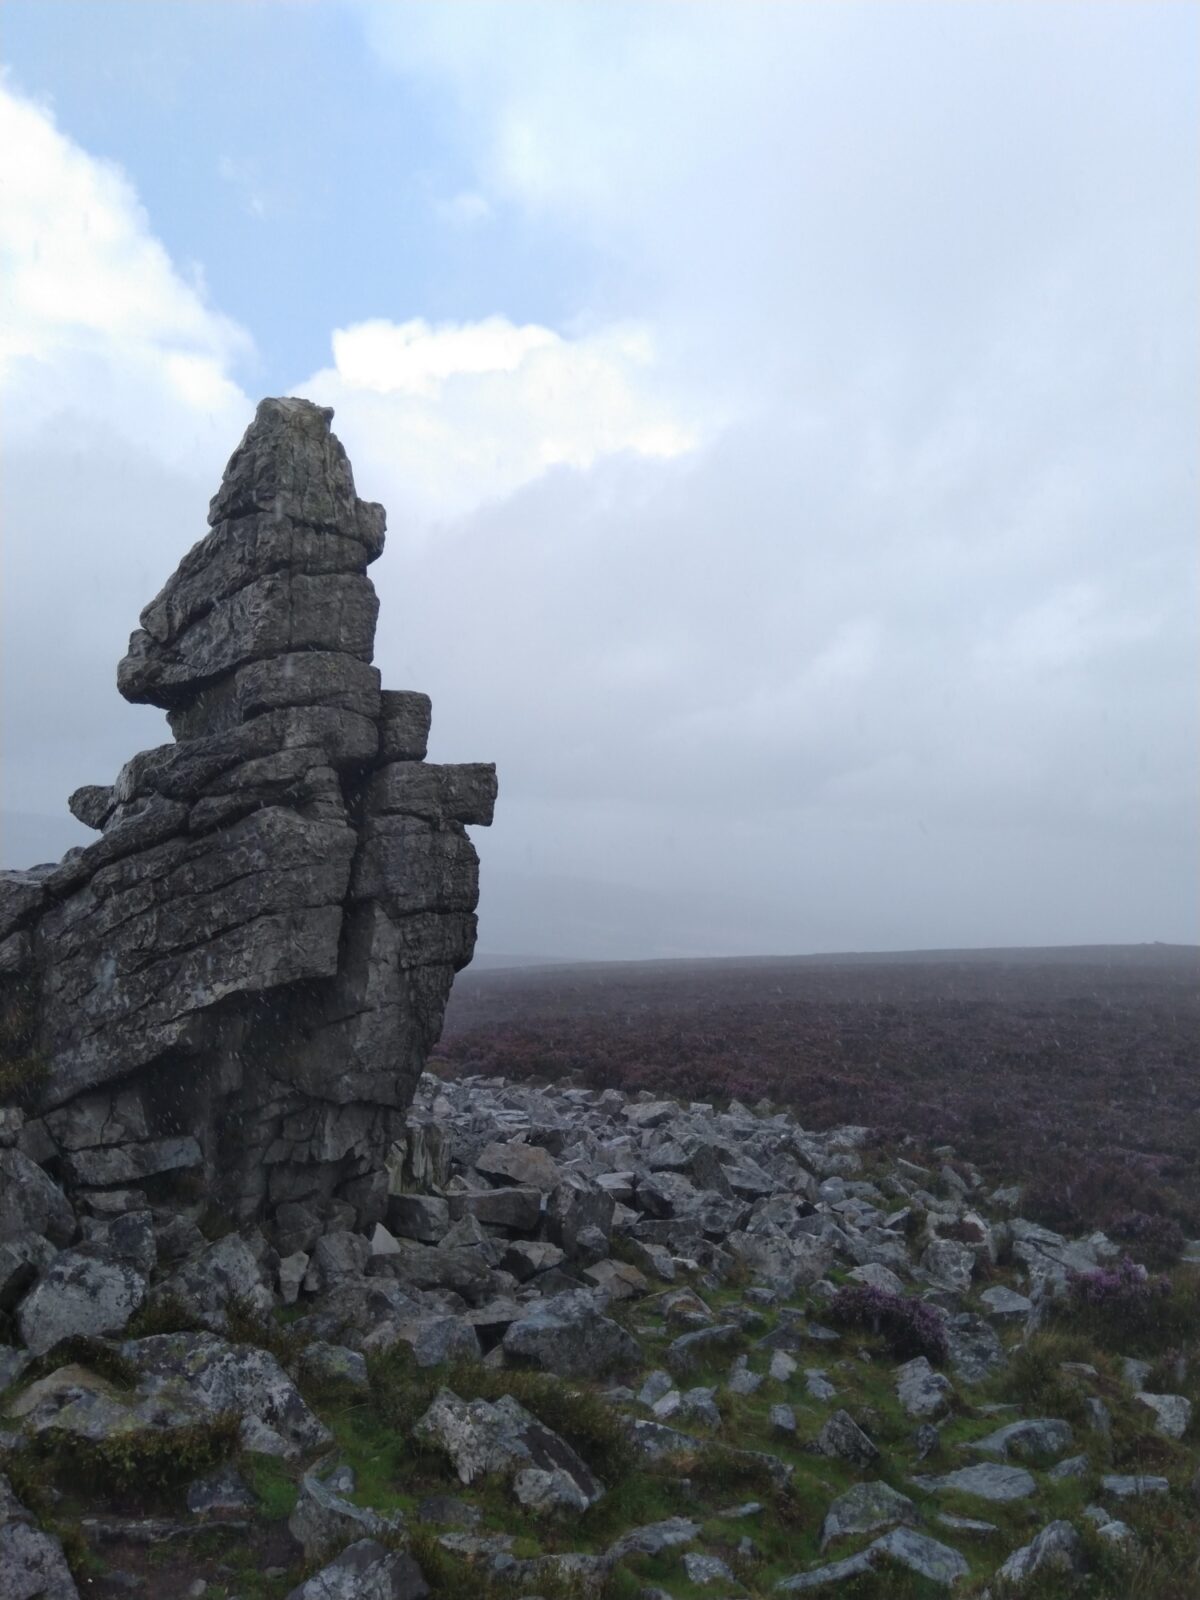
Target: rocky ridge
x,y
233,990
597,1344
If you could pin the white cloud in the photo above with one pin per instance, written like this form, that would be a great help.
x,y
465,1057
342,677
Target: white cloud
x,y
120,410
98,321
446,417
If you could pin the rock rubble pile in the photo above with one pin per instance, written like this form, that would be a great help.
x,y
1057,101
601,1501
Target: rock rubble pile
x,y
581,1293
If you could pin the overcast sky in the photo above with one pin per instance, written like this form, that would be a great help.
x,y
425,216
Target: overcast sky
x,y
787,418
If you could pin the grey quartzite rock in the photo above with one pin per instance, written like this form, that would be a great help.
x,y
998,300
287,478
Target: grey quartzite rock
x,y
365,1570
78,1294
235,986
32,1564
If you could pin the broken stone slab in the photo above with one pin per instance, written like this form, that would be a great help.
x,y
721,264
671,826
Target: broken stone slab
x,y
985,1482
702,1569
228,1271
335,1257
690,1349
863,1509
1123,1486
1005,1303
418,1216
482,1438
323,1519
518,1209
31,1203
817,1385
219,1377
547,1492
841,1436
131,1163
336,1364
1173,1412
782,1420
127,1237
618,1279
524,1258
464,792
434,1339
365,1570
22,894
21,1260
463,1271
652,1539
922,1391
78,1294
569,1336
99,1119
526,1165
32,1563
658,1442
1033,1439
929,1559
876,1276
973,1346
1057,1548
972,1526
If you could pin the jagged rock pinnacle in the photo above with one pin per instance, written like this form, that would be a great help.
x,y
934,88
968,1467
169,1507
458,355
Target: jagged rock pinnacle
x,y
239,981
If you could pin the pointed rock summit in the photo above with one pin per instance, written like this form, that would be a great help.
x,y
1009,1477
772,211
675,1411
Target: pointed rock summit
x,y
234,989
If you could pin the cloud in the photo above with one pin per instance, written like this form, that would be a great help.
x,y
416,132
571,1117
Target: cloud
x,y
450,416
905,647
120,409
823,577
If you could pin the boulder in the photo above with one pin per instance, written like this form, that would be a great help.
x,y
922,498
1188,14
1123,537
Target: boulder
x,y
228,1271
1057,1548
323,1520
988,1482
569,1336
218,1377
864,1508
77,1294
916,1552
31,1203
527,1165
518,1209
1032,1439
365,1570
32,1564
842,1437
922,1391
483,1438
418,1216
1173,1412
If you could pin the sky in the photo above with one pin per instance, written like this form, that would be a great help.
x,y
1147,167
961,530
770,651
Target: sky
x,y
786,415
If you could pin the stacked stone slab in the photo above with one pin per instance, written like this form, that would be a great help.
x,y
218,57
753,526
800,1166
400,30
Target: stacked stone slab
x,y
233,990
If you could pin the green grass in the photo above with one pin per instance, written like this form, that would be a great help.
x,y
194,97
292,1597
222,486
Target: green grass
x,y
273,1482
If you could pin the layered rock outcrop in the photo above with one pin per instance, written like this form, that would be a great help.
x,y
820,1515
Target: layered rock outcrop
x,y
232,991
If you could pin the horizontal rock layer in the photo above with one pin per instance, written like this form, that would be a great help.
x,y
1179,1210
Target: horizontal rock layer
x,y
234,988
